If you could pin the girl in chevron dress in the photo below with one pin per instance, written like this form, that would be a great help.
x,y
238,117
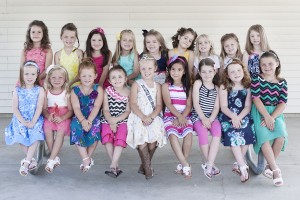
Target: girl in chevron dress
x,y
114,119
269,94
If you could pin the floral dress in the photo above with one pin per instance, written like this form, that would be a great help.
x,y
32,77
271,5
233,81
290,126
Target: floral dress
x,y
78,135
230,135
253,64
16,132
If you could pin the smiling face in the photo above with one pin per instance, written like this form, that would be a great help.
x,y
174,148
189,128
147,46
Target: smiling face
x,y
268,66
147,69
152,44
87,76
96,42
235,73
127,42
230,47
117,78
176,72
30,75
36,34
57,78
185,40
254,38
204,45
68,38
207,73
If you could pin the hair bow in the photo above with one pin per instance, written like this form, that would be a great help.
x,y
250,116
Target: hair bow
x,y
118,36
145,32
172,59
99,30
49,68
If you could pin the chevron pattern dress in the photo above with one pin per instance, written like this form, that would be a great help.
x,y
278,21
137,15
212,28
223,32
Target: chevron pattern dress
x,y
271,94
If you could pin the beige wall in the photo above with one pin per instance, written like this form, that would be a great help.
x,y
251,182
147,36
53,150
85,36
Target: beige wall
x,y
216,17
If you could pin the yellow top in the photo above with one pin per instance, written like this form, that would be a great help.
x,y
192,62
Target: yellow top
x,y
186,54
70,62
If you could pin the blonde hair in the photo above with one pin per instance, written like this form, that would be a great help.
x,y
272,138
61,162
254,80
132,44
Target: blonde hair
x,y
21,75
118,50
264,45
159,38
48,85
211,50
226,37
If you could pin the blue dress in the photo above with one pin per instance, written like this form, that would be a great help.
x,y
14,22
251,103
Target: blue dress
x,y
253,64
244,135
16,132
78,135
127,62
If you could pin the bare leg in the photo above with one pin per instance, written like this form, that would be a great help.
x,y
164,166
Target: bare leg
x,y
237,152
116,156
205,149
213,150
187,145
30,152
49,139
24,149
91,149
277,146
270,158
59,140
178,150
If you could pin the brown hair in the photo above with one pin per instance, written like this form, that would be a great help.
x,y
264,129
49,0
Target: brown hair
x,y
264,45
273,55
226,37
87,63
181,32
228,84
70,27
45,43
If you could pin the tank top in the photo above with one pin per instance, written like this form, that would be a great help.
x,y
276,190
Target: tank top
x,y
186,54
59,100
70,62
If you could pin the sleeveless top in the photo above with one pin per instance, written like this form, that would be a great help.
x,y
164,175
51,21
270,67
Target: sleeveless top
x,y
207,99
186,54
116,103
37,55
178,99
59,100
127,63
70,62
99,67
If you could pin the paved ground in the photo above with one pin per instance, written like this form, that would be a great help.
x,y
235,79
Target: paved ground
x,y
68,182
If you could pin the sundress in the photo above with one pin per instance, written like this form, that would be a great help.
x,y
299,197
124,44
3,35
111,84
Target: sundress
x,y
78,135
245,134
16,132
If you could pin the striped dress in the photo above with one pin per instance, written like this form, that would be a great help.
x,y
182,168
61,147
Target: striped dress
x,y
271,94
207,99
178,100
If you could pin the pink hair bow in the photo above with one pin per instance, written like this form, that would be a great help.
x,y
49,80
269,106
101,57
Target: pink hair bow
x,y
99,30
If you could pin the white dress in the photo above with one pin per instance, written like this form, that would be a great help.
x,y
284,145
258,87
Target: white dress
x,y
138,134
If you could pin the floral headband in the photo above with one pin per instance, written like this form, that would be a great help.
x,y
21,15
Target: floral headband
x,y
99,30
174,58
32,63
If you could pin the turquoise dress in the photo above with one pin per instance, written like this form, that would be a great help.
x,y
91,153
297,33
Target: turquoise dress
x,y
78,136
16,132
127,62
271,94
230,135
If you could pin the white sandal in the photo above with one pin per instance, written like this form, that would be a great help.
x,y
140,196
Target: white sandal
x,y
187,171
208,173
86,168
50,165
23,171
57,161
33,164
243,170
268,172
178,169
277,181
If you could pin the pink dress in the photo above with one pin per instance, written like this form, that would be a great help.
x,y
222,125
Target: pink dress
x,y
99,66
57,104
37,55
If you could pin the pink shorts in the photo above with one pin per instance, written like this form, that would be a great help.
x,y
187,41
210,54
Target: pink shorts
x,y
117,139
202,132
63,126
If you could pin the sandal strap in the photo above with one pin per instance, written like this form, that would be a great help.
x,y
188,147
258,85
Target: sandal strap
x,y
25,161
179,167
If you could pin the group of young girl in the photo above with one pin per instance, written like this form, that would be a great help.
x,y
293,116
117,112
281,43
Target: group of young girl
x,y
143,100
